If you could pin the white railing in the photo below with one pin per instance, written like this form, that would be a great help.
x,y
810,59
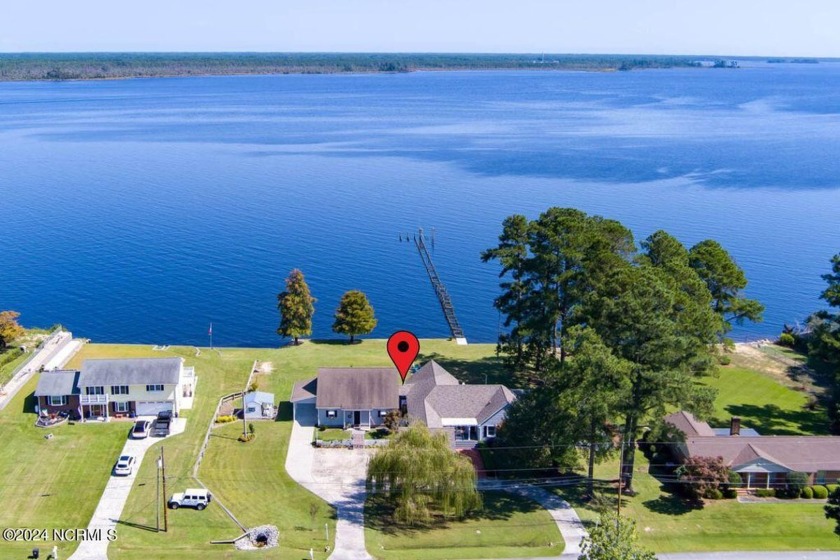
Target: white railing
x,y
93,399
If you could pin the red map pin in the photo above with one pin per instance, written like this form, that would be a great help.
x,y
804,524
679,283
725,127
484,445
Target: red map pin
x,y
403,348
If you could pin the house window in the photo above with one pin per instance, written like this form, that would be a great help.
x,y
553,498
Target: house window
x,y
251,409
331,414
154,388
489,431
120,407
94,390
119,389
383,413
58,401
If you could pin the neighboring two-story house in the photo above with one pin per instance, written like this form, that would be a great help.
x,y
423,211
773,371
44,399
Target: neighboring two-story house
x,y
130,387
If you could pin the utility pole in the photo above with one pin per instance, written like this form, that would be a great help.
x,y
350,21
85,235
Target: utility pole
x,y
163,477
157,510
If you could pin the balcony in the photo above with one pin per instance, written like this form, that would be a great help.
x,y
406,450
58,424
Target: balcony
x,y
93,399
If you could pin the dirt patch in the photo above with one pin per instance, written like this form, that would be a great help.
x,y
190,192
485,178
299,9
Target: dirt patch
x,y
266,368
762,356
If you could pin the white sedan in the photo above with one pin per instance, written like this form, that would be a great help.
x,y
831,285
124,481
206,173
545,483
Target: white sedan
x,y
125,465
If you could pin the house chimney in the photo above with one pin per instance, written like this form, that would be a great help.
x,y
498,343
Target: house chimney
x,y
735,426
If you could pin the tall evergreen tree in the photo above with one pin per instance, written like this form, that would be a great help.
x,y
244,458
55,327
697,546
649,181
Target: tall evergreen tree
x,y
296,306
725,280
666,335
354,315
824,337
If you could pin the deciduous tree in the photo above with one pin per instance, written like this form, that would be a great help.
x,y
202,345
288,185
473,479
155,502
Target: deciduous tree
x,y
423,477
296,306
9,328
354,315
702,476
613,538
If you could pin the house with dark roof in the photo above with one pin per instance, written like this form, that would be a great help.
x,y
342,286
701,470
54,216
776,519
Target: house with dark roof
x,y
58,391
121,387
762,461
363,397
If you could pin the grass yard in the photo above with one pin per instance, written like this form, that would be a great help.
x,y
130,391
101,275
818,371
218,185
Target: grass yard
x,y
763,404
249,478
8,368
509,526
51,483
666,523
332,434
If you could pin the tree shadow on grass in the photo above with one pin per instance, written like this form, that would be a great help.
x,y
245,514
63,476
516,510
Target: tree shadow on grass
x,y
137,526
489,369
334,341
770,419
671,504
497,506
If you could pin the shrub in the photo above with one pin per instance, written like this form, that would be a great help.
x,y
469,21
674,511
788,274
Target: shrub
x,y
807,493
251,428
766,492
787,339
724,360
832,487
245,437
735,480
224,419
703,476
322,428
713,494
820,491
730,493
796,481
253,386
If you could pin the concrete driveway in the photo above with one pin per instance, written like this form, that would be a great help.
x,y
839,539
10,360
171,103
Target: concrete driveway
x,y
116,493
336,476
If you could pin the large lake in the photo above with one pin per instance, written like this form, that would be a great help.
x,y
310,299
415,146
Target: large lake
x,y
142,210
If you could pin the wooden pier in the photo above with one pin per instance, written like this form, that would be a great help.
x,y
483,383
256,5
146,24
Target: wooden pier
x,y
440,290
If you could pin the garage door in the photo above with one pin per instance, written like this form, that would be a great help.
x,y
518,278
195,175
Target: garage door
x,y
149,408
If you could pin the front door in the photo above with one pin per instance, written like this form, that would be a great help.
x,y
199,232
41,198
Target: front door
x,y
357,417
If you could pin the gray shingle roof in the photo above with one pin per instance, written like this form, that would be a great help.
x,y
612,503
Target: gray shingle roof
x,y
135,371
58,383
358,388
304,390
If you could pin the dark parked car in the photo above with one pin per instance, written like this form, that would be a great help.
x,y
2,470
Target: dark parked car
x,y
162,423
141,429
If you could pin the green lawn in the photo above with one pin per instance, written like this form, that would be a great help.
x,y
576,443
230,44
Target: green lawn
x,y
668,524
249,478
763,404
8,368
51,483
509,526
332,434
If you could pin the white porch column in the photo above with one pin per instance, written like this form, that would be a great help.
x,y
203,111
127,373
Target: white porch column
x,y
768,480
749,480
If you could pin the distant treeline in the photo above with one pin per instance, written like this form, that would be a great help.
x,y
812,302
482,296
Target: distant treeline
x,y
93,66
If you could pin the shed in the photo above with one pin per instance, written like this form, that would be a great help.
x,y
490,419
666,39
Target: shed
x,y
259,404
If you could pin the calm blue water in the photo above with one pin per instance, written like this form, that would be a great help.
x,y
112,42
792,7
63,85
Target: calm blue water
x,y
142,210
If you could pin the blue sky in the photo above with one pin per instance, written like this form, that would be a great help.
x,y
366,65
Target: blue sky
x,y
730,27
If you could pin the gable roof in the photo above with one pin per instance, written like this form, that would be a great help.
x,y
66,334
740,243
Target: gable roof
x,y
689,425
58,383
134,371
433,395
259,397
796,453
304,390
358,388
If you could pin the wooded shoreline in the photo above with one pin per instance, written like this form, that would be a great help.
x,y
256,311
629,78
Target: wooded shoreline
x,y
104,66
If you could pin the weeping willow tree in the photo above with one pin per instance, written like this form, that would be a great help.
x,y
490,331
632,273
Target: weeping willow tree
x,y
423,476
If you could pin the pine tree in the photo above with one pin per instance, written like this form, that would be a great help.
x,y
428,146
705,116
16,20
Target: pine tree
x,y
296,307
354,315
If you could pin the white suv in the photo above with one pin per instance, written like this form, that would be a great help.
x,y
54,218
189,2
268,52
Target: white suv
x,y
191,497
